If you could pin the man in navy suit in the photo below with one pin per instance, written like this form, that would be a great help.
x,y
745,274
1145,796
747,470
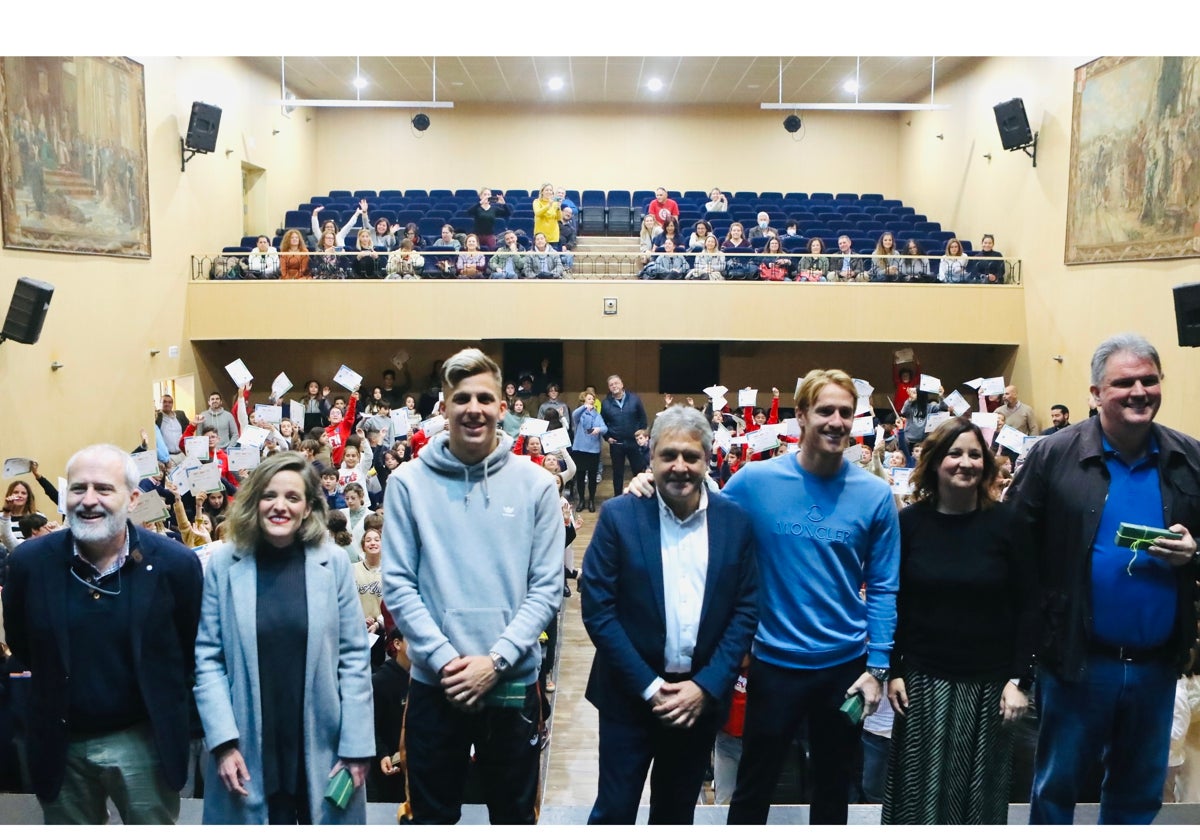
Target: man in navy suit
x,y
669,600
104,615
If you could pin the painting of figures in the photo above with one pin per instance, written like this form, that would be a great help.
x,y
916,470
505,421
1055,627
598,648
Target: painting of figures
x,y
73,174
1135,160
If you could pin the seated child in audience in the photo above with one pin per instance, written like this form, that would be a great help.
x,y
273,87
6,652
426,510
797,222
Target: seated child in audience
x,y
642,438
329,484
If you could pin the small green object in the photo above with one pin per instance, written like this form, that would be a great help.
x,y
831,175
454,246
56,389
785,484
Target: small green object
x,y
1141,536
340,789
506,695
853,708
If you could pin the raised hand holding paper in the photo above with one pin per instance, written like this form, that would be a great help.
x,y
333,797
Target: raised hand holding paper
x,y
534,426
930,384
253,436
197,447
747,397
147,463
863,388
280,386
347,378
992,386
958,404
1011,438
17,466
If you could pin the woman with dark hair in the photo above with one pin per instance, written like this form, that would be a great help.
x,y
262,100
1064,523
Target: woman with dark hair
x,y
696,237
472,262
316,406
328,264
413,232
965,638
670,231
484,213
814,265
775,264
383,234
283,681
914,268
18,502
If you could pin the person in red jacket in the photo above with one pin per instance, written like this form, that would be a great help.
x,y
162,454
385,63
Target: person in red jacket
x,y
756,418
339,428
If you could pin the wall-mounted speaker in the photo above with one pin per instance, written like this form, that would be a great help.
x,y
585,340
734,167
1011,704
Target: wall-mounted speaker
x,y
1187,314
202,127
1013,124
27,311
791,123
420,122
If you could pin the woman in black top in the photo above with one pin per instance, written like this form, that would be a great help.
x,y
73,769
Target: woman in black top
x,y
485,213
964,639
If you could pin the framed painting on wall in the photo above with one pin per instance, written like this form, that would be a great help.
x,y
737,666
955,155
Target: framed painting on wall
x,y
1135,160
73,172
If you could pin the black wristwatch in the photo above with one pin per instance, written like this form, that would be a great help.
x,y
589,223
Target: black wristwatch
x,y
498,662
880,674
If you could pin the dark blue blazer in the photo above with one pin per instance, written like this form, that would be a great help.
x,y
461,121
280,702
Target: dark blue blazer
x,y
164,583
624,612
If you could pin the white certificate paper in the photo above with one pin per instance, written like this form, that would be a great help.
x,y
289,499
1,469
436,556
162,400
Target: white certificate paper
x,y
555,440
239,372
280,386
347,378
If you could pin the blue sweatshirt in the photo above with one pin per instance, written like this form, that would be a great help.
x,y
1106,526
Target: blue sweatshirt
x,y
818,540
473,558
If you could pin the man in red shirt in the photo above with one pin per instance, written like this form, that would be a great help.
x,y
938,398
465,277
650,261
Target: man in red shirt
x,y
661,208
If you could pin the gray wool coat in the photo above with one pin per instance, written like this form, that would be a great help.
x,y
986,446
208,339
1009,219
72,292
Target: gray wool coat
x,y
338,712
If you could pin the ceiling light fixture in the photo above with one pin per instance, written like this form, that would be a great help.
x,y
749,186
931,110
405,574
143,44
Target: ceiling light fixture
x,y
360,82
850,86
555,83
654,85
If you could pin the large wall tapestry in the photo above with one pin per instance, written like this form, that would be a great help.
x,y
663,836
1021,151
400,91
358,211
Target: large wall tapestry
x,y
73,174
1135,160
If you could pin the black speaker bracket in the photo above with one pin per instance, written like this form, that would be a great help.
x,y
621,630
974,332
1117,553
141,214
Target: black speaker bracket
x,y
184,155
1029,149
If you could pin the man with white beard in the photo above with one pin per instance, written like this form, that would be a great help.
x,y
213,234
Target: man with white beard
x,y
104,616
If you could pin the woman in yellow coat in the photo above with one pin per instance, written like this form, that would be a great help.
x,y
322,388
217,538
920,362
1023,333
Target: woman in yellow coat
x,y
546,214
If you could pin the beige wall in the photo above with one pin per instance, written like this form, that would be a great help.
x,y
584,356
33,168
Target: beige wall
x,y
108,313
607,148
1069,309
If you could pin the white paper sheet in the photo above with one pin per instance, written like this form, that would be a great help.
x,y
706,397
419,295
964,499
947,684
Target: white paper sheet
x,y
904,355
14,467
296,412
957,403
206,479
761,440
197,447
1011,438
400,425
900,483
239,372
791,427
863,388
985,420
147,462
400,359
862,406
747,397
433,425
853,454
253,436
556,439
280,386
179,477
936,419
270,413
148,508
992,386
62,496
714,392
974,383
534,426
722,438
347,378
929,384
244,458
863,426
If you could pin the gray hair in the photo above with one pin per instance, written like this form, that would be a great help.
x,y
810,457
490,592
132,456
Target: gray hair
x,y
468,362
1132,343
686,419
132,473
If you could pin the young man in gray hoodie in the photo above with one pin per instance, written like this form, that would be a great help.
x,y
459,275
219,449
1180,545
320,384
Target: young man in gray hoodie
x,y
472,573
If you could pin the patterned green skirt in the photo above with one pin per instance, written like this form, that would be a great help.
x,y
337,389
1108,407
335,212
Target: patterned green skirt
x,y
951,755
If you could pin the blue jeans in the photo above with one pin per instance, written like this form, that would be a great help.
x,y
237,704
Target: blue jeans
x,y
1121,712
875,749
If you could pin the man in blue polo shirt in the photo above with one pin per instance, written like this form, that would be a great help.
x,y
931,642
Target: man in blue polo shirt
x,y
1118,622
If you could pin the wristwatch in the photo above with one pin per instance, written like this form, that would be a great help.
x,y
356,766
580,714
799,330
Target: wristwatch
x,y
498,662
880,674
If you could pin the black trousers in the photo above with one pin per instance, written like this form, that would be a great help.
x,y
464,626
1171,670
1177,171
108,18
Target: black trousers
x,y
438,739
621,452
778,700
586,475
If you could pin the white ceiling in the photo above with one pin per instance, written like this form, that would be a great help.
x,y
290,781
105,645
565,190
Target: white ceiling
x,y
691,80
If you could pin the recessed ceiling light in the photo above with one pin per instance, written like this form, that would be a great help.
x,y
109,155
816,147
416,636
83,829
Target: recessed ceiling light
x,y
654,85
555,83
850,86
360,82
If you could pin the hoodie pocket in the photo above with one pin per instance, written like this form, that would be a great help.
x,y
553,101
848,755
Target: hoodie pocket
x,y
473,632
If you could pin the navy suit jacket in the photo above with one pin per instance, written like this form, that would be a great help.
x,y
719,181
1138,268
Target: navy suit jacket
x,y
164,583
624,610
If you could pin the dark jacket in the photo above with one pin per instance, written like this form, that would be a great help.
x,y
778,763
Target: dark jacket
x,y
163,581
622,422
624,612
1060,495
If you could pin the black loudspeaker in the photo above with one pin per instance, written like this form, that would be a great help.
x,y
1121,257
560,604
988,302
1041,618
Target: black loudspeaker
x,y
791,124
27,311
1013,124
1187,314
420,122
202,127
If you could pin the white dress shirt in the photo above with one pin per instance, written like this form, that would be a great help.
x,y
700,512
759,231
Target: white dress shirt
x,y
684,548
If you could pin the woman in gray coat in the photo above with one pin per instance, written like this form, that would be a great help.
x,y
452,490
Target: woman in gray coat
x,y
283,682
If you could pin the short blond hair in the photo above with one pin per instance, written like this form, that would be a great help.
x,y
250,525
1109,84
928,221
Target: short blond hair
x,y
468,362
815,380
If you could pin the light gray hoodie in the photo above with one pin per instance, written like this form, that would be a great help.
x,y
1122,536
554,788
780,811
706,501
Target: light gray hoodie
x,y
472,558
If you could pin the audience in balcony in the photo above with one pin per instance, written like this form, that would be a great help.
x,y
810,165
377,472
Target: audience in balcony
x,y
542,261
360,217
775,264
710,263
814,266
547,213
484,213
988,264
293,256
953,267
885,260
263,261
845,266
668,265
717,203
509,261
406,263
471,263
